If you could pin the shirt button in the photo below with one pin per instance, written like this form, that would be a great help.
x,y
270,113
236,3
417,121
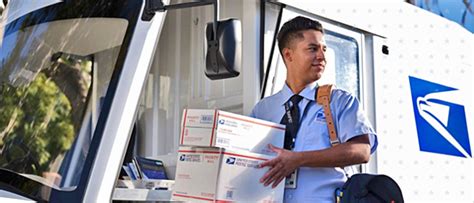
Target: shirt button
x,y
290,196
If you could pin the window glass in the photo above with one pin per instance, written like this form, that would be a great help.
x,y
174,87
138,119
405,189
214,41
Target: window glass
x,y
342,68
53,78
344,61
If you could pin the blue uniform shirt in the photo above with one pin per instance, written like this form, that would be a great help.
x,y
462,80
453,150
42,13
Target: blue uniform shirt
x,y
318,184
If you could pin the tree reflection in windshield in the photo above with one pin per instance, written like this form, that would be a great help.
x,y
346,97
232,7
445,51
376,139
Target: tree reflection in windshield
x,y
38,121
54,76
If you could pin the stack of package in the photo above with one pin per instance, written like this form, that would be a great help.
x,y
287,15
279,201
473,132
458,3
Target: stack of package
x,y
219,155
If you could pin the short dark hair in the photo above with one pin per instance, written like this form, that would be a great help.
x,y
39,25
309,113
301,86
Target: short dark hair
x,y
292,30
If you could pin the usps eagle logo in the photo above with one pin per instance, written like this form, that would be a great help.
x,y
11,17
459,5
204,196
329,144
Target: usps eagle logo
x,y
230,160
440,118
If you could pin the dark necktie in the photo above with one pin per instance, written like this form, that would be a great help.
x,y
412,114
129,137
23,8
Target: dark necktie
x,y
292,121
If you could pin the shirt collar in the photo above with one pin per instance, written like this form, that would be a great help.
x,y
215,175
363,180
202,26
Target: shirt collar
x,y
308,93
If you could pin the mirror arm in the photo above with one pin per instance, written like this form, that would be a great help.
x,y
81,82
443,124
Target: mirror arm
x,y
215,41
216,62
216,17
153,6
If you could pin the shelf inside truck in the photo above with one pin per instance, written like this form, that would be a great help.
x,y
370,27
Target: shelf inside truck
x,y
126,194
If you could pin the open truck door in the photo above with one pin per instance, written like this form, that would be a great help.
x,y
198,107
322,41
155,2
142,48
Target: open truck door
x,y
350,54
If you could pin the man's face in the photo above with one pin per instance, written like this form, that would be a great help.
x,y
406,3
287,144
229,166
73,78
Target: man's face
x,y
306,57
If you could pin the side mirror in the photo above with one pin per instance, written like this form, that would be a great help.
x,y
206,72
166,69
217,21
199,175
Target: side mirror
x,y
223,57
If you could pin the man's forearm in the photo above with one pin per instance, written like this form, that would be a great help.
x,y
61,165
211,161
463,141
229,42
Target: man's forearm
x,y
355,151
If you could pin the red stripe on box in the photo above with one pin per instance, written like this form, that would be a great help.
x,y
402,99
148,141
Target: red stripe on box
x,y
184,126
195,151
213,127
227,153
250,121
223,201
194,197
245,156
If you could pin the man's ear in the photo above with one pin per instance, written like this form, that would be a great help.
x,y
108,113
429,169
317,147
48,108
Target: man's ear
x,y
287,54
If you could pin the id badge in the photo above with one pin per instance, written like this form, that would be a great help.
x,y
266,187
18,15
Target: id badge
x,y
290,181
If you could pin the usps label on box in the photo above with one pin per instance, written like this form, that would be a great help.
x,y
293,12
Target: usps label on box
x,y
245,133
199,118
239,179
193,136
211,128
198,127
196,174
216,174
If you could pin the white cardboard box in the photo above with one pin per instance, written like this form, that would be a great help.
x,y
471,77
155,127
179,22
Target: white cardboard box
x,y
214,128
217,174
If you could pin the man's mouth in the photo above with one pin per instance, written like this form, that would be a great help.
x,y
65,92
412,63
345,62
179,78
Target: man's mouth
x,y
319,65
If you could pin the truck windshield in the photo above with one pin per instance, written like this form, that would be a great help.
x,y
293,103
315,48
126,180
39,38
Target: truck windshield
x,y
55,71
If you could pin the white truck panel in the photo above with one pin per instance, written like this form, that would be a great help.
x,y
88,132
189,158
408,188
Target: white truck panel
x,y
422,46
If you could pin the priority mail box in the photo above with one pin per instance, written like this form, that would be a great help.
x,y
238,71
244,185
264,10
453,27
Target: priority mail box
x,y
217,174
214,128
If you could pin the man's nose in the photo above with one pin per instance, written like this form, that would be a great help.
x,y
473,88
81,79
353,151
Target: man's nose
x,y
320,54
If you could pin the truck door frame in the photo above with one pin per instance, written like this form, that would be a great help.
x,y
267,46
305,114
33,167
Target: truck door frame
x,y
364,40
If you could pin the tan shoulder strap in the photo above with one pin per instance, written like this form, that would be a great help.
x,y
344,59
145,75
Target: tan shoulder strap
x,y
324,99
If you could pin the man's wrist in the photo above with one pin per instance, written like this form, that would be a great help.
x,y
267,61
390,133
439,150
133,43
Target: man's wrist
x,y
300,160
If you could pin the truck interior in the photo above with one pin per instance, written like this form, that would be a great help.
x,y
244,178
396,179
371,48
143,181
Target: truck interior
x,y
176,80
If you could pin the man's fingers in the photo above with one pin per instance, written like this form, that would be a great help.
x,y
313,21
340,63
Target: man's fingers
x,y
275,149
266,163
277,181
276,172
270,163
269,175
277,175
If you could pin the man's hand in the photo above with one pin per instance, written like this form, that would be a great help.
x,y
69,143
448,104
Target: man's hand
x,y
280,167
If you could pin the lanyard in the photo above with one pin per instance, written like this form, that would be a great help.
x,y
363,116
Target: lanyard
x,y
291,125
288,113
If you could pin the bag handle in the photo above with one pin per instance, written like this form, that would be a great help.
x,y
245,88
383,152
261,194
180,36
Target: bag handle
x,y
323,98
